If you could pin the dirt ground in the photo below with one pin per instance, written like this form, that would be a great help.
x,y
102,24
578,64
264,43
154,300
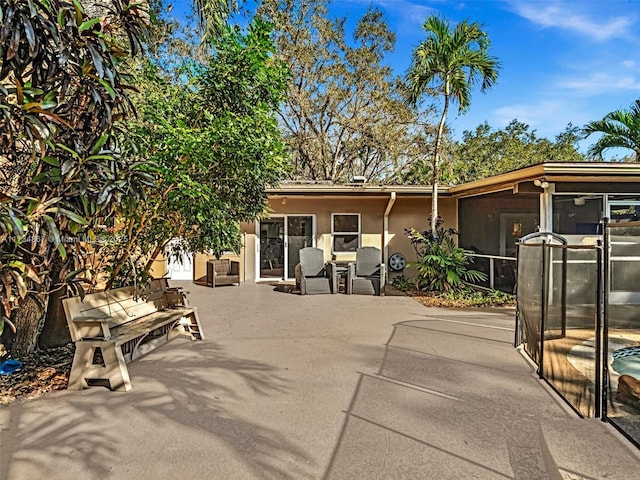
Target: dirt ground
x,y
42,371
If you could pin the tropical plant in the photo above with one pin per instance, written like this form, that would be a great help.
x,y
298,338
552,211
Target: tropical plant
x,y
61,93
442,265
63,177
619,129
402,283
449,63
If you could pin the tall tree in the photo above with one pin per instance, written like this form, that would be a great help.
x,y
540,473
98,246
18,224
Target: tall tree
x,y
344,114
449,63
212,140
62,172
619,129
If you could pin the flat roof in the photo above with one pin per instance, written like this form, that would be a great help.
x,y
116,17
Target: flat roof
x,y
294,188
551,171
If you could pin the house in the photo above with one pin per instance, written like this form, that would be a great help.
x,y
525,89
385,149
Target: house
x,y
490,216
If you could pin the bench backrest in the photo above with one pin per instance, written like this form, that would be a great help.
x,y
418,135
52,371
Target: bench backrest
x,y
120,305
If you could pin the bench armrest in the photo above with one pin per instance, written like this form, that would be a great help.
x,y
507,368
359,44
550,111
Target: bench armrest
x,y
235,268
93,321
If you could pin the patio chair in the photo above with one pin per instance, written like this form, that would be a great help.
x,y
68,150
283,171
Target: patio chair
x,y
316,276
366,276
223,272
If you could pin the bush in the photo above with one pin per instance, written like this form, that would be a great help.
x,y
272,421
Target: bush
x,y
465,298
442,265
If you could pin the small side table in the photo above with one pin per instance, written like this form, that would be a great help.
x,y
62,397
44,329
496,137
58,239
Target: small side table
x,y
341,274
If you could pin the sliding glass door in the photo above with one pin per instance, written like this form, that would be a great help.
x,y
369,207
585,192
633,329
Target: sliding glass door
x,y
281,239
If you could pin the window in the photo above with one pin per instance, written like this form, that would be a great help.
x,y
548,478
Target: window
x,y
577,214
345,232
624,208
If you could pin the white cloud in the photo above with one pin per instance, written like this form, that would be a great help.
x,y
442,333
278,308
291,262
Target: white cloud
x,y
571,16
536,115
600,83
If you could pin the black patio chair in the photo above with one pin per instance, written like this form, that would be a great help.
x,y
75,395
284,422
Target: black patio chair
x,y
367,275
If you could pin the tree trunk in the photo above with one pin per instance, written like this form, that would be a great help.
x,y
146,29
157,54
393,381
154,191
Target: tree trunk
x,y
28,319
55,331
436,166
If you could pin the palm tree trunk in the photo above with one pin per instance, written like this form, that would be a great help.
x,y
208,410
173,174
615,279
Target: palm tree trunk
x,y
436,165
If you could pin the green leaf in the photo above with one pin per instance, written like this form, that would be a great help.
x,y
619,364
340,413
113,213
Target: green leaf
x,y
53,229
71,275
100,157
17,264
41,177
61,18
99,144
49,100
16,222
88,24
51,161
108,88
69,214
62,251
68,150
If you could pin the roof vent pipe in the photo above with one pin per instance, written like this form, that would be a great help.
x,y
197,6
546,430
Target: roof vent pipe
x,y
359,179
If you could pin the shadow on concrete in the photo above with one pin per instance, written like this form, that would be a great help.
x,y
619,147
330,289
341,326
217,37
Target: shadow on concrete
x,y
189,389
432,412
371,448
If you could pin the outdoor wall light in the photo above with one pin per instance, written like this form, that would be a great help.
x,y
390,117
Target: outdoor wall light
x,y
541,182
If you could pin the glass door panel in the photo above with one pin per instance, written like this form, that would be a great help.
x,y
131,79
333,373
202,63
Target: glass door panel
x,y
299,236
272,248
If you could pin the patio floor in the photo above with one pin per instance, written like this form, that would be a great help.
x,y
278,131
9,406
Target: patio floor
x,y
290,387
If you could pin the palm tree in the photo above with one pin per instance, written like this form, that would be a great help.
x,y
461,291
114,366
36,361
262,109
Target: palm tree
x,y
449,63
620,129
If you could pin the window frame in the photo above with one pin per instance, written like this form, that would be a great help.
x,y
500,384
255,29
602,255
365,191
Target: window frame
x,y
335,233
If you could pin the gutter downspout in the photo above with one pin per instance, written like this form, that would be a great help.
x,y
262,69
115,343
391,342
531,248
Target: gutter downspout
x,y
385,234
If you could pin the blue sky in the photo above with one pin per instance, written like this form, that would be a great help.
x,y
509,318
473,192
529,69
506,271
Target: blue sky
x,y
561,61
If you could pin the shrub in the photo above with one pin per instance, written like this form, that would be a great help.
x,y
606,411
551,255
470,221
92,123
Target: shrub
x,y
402,283
442,265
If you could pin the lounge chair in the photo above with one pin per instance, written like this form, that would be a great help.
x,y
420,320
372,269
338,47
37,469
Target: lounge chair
x,y
367,275
316,276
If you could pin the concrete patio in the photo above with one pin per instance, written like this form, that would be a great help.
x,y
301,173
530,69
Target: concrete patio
x,y
291,387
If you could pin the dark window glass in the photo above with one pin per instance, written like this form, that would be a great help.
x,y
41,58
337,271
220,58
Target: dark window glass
x,y
577,214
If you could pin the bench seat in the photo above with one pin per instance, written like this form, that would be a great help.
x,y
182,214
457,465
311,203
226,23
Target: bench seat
x,y
113,328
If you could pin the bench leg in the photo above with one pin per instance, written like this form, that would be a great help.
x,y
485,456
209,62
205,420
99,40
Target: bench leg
x,y
82,358
117,371
192,325
114,370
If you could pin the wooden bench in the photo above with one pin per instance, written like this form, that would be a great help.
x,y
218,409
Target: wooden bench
x,y
114,327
